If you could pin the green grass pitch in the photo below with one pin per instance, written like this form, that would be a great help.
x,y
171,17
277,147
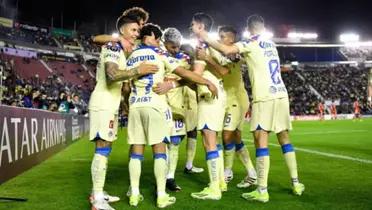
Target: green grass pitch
x,y
63,182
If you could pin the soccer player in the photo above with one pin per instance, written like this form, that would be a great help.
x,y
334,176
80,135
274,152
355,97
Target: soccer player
x,y
210,114
356,107
237,106
333,110
149,114
142,17
104,104
172,42
321,110
270,109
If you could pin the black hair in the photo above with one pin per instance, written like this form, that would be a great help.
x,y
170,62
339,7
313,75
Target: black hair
x,y
205,19
254,20
138,12
149,29
227,29
125,19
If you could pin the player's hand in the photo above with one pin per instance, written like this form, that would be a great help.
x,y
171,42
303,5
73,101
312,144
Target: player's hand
x,y
201,54
162,88
145,69
213,89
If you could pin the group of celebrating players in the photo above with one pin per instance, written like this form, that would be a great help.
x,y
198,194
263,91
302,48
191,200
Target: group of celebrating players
x,y
175,90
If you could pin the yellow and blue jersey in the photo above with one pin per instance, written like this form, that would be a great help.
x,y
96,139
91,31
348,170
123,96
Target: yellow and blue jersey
x,y
107,95
142,94
262,59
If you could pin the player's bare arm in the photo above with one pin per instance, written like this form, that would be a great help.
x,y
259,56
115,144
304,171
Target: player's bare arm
x,y
113,74
218,70
197,79
225,49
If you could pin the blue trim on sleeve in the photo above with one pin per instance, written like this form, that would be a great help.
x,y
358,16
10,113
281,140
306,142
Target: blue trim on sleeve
x,y
287,148
262,152
160,155
229,146
136,156
212,155
239,146
105,151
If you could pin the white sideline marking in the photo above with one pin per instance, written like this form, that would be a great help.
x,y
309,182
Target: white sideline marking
x,y
344,157
329,132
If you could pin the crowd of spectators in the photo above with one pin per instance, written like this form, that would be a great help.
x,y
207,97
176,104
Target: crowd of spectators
x,y
50,94
344,83
34,37
357,53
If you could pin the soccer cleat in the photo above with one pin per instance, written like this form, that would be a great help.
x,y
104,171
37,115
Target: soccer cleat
x,y
247,182
229,175
298,189
223,186
256,196
164,201
193,170
100,205
135,199
207,194
172,185
107,197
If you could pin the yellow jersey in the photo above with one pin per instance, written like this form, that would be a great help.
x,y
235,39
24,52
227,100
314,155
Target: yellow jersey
x,y
142,94
107,95
263,63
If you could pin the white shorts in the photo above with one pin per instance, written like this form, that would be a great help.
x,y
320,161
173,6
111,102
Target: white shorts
x,y
103,125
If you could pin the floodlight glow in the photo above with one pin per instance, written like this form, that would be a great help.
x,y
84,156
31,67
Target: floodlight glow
x,y
213,35
246,34
358,44
349,37
268,34
115,35
296,35
192,42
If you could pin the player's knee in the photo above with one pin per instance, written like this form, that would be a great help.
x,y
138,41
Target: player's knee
x,y
176,140
104,151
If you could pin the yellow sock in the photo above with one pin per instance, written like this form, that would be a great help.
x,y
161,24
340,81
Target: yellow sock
x,y
229,154
160,171
191,151
244,157
221,169
172,160
263,166
135,172
98,170
290,159
212,163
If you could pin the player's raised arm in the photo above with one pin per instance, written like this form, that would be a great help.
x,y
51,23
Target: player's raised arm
x,y
189,75
217,69
225,49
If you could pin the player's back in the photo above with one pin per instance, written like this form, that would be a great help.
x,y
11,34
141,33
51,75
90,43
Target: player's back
x,y
142,94
263,63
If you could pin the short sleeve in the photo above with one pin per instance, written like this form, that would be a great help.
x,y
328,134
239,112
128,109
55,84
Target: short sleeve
x,y
111,53
244,46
